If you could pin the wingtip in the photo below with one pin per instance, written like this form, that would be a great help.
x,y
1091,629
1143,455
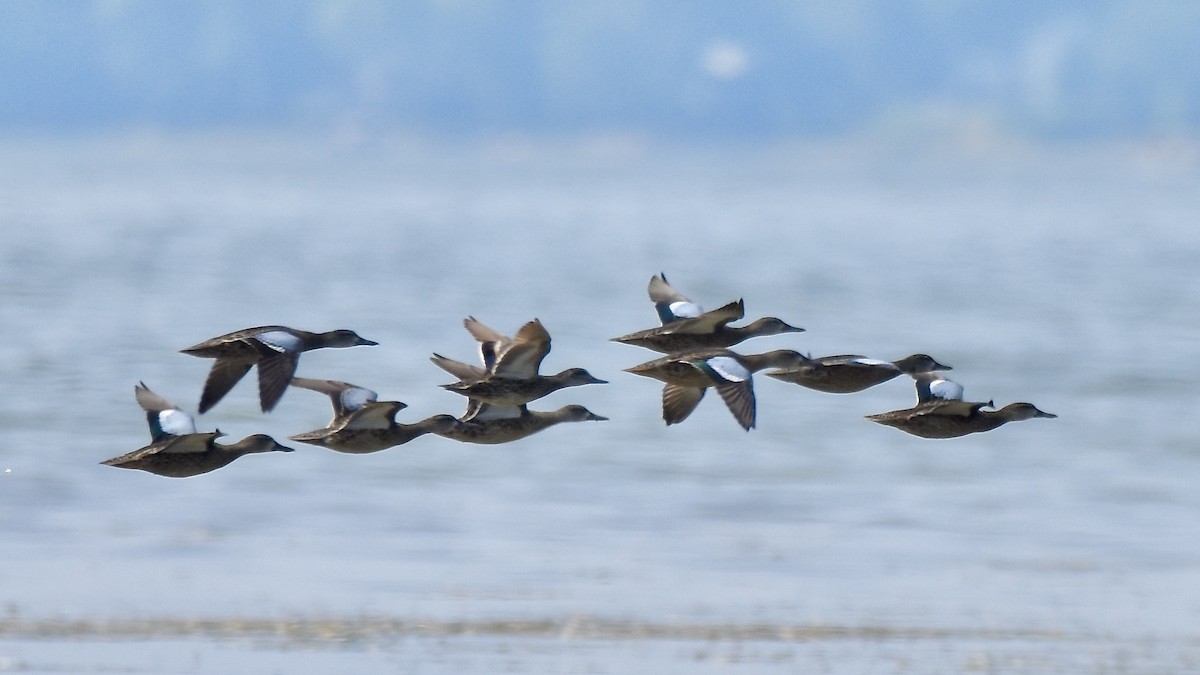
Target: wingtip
x,y
268,405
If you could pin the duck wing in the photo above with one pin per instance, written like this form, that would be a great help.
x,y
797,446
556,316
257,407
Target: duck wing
x,y
275,371
345,397
164,418
374,415
709,322
463,371
949,408
522,357
186,444
678,402
492,342
670,304
225,373
739,398
733,382
932,387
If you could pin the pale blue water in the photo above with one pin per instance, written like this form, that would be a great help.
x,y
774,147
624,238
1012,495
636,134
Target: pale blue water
x,y
1069,277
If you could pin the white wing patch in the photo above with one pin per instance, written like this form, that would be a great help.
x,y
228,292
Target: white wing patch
x,y
280,341
945,389
176,422
685,309
729,369
874,362
354,398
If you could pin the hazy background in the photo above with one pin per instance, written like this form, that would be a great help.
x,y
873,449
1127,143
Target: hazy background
x,y
1011,187
1054,69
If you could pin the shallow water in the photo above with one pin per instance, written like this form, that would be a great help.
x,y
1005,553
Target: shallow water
x,y
1063,276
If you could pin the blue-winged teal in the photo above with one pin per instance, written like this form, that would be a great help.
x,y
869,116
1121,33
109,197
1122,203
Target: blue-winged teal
x,y
488,424
176,450
849,373
363,424
675,339
688,375
941,413
510,373
686,327
275,349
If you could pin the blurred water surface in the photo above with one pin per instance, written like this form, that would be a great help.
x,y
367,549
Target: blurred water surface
x,y
1065,276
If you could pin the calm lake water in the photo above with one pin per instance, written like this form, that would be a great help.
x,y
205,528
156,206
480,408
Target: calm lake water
x,y
819,542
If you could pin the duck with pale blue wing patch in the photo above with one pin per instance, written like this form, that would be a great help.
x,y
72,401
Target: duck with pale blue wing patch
x,y
687,327
687,376
177,450
941,412
274,349
361,423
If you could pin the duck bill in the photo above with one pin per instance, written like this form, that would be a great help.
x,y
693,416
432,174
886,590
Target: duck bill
x,y
641,370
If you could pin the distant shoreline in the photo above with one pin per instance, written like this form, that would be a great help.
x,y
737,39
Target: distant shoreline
x,y
322,629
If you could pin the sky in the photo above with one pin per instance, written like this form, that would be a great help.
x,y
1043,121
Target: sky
x,y
674,68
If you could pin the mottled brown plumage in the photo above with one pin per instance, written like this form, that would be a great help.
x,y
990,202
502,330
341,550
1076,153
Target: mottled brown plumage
x,y
489,425
951,419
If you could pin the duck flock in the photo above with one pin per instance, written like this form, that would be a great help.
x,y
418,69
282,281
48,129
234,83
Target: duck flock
x,y
697,355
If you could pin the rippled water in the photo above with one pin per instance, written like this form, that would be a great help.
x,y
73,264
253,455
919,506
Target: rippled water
x,y
1069,277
